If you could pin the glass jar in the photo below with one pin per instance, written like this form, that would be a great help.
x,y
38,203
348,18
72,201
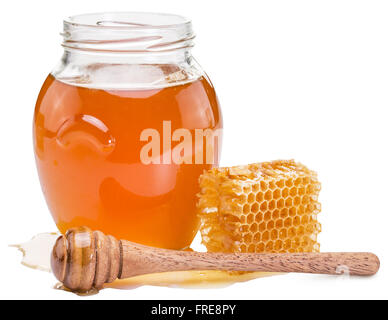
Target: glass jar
x,y
124,126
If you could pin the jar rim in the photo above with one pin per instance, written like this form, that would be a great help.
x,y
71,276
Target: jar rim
x,y
125,20
127,32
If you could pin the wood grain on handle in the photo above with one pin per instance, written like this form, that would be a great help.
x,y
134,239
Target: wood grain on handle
x,y
84,259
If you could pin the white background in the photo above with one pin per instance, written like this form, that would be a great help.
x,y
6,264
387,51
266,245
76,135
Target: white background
x,y
296,79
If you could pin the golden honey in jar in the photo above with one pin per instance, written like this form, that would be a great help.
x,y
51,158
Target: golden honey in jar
x,y
124,126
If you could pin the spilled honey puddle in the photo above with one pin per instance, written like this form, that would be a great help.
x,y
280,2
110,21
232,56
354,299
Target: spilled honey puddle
x,y
188,279
37,251
36,255
91,292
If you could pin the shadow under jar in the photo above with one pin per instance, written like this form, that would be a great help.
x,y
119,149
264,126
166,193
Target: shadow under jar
x,y
124,126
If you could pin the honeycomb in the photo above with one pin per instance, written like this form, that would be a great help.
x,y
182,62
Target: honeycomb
x,y
261,207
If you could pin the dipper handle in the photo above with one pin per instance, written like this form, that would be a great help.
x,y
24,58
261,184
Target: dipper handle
x,y
83,259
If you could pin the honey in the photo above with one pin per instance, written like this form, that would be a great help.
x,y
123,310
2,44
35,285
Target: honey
x,y
36,252
206,279
263,207
87,147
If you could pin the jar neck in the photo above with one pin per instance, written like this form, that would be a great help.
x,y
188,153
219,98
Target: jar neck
x,y
81,57
128,36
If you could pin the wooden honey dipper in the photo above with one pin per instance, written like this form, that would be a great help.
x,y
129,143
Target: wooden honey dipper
x,y
84,259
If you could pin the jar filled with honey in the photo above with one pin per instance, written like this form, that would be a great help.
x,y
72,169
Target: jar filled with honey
x,y
124,126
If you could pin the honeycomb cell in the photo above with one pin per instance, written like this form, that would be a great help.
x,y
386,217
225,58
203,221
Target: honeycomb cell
x,y
247,189
253,228
280,203
275,214
255,187
259,248
296,201
288,222
243,198
248,238
278,245
309,228
305,241
259,217
279,224
277,194
272,185
251,197
288,202
259,197
291,233
283,233
268,195
284,213
289,183
296,243
280,183
262,207
269,246
297,181
257,237
272,205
